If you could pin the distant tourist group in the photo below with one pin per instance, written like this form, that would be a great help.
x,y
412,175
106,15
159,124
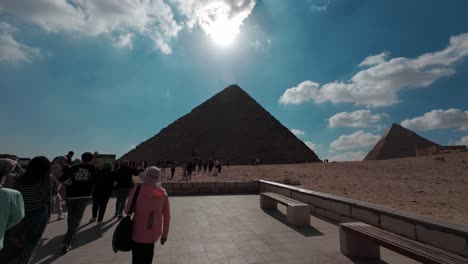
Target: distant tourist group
x,y
196,165
28,196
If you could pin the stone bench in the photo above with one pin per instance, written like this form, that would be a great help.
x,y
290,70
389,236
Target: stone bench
x,y
298,213
363,240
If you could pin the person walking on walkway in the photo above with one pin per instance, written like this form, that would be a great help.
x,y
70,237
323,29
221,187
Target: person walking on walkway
x,y
151,217
35,185
58,168
173,166
79,182
11,201
102,192
190,167
124,185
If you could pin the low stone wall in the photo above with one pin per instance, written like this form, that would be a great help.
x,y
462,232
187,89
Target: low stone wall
x,y
198,188
432,231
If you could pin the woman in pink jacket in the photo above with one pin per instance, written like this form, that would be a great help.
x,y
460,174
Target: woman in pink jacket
x,y
151,217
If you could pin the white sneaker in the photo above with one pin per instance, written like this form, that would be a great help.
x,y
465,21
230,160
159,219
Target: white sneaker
x,y
61,216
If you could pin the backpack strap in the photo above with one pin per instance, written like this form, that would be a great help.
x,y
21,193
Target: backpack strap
x,y
135,197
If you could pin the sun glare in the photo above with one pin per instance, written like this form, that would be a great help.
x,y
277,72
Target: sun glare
x,y
223,32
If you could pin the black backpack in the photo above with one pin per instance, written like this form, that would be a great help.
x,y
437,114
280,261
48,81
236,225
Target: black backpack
x,y
122,238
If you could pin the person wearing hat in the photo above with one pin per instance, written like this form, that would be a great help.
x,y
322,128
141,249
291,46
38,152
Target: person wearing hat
x,y
151,217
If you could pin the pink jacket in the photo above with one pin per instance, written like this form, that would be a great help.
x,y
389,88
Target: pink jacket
x,y
152,216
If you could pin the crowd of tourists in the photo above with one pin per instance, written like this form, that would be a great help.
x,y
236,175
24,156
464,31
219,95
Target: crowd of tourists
x,y
212,166
28,196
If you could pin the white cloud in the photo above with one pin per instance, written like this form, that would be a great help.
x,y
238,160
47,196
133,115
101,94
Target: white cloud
x,y
349,156
360,118
437,119
375,59
321,8
462,141
304,92
358,139
262,45
311,145
124,41
13,51
297,132
379,84
155,19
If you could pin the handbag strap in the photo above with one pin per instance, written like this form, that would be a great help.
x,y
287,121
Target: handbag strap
x,y
135,197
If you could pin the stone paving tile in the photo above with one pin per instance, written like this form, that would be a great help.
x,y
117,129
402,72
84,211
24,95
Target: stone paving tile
x,y
209,229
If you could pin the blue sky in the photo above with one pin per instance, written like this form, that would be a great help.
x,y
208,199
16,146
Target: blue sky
x,y
106,75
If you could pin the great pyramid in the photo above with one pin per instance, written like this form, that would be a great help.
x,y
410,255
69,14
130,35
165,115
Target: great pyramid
x,y
398,142
230,126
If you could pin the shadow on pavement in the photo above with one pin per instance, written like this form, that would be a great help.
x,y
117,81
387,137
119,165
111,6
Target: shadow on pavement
x,y
50,250
367,261
307,231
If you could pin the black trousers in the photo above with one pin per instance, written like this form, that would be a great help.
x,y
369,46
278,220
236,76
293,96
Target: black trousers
x,y
142,253
99,206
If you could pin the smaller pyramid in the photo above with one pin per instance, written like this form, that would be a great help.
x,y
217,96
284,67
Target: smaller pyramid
x,y
398,142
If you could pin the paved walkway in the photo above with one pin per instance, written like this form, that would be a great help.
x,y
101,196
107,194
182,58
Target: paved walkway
x,y
210,229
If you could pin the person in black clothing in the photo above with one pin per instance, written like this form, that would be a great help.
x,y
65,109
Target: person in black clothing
x,y
102,192
205,165
79,182
124,185
210,165
69,157
190,166
173,166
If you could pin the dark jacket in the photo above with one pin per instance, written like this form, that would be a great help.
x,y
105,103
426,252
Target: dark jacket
x,y
124,177
79,181
104,184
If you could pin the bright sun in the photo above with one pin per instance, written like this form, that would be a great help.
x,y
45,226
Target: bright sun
x,y
223,31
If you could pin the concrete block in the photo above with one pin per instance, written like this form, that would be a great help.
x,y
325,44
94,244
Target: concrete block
x,y
320,212
185,185
305,198
345,219
333,216
312,208
167,185
231,184
223,190
322,203
282,191
204,184
340,208
215,190
355,245
298,215
398,226
444,240
248,184
204,190
220,184
267,203
365,216
263,187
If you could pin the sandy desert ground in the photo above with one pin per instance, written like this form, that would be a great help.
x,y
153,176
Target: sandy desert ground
x,y
424,185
